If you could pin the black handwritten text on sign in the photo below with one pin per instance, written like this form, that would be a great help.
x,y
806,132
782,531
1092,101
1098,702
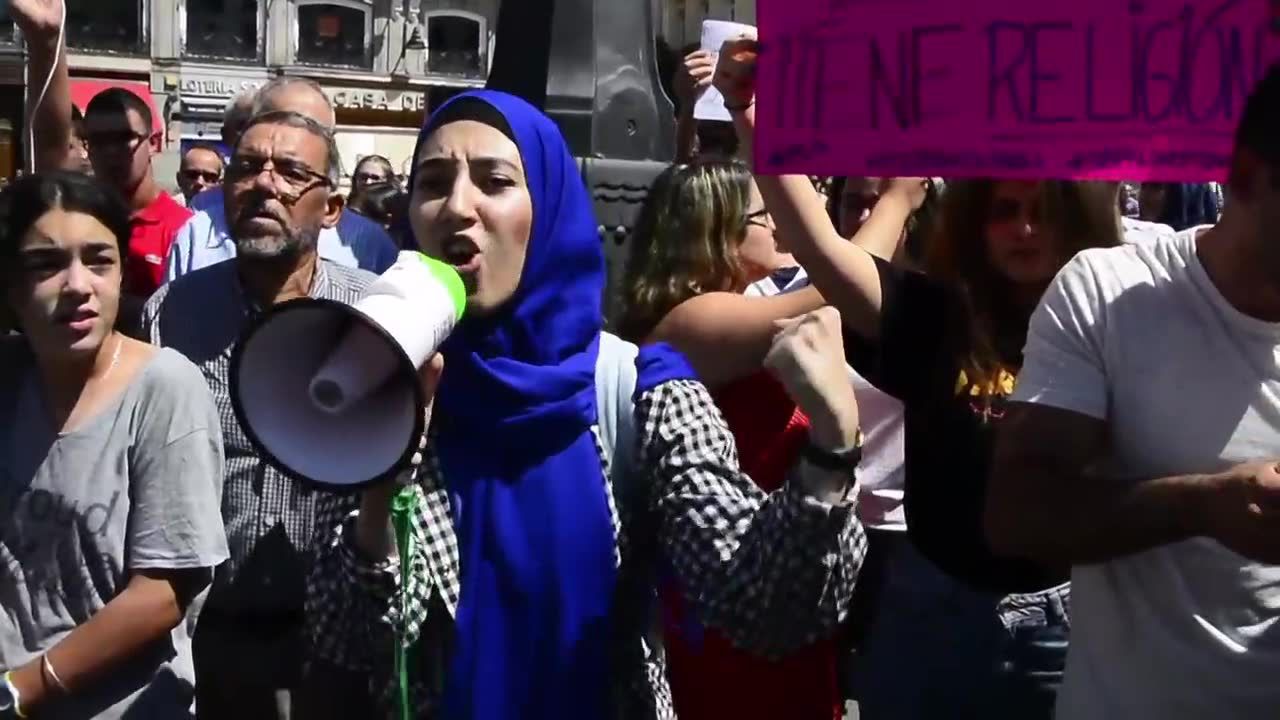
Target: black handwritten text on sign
x,y
1097,89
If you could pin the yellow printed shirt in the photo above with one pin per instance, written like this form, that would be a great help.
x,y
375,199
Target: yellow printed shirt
x,y
987,402
918,357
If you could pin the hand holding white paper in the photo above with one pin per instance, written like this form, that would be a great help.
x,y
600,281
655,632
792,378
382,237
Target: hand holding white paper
x,y
710,105
329,393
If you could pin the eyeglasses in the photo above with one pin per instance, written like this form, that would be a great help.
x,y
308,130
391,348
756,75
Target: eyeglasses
x,y
760,219
292,180
369,178
206,175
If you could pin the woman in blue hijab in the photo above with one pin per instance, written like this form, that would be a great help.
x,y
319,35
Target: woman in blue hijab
x,y
524,588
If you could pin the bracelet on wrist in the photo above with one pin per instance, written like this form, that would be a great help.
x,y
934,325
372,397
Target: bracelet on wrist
x,y
46,667
739,108
844,460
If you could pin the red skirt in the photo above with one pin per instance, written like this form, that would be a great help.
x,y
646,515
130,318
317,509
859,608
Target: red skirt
x,y
711,679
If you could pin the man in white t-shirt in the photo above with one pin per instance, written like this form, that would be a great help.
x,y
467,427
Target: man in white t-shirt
x,y
1143,448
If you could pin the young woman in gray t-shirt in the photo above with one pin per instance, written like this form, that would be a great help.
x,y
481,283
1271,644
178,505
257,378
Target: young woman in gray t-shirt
x,y
110,473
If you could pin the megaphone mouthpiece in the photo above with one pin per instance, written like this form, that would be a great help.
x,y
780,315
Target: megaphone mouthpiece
x,y
328,395
329,392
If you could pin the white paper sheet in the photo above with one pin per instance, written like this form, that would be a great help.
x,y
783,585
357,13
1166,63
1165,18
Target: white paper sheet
x,y
710,104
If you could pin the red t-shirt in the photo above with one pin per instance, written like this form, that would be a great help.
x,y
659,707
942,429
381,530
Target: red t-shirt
x,y
711,678
154,228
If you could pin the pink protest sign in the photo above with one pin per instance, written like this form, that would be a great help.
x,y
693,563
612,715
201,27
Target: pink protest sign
x,y
1088,89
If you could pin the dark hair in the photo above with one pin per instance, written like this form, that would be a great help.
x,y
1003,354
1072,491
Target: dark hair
x,y
919,225
27,200
118,101
716,138
1257,130
378,159
382,202
1082,215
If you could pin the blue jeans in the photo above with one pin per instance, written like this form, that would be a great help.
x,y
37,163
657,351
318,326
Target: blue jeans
x,y
936,649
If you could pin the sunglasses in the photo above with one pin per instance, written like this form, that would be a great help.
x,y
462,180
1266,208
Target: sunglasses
x,y
205,175
123,139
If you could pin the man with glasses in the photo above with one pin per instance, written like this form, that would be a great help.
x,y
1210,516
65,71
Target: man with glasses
x,y
206,239
121,142
200,170
281,193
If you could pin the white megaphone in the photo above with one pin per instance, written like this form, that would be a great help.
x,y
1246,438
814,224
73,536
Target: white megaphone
x,y
328,392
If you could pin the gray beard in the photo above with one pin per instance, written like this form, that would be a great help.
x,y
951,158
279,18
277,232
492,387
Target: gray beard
x,y
297,241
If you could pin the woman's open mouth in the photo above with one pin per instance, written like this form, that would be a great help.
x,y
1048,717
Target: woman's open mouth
x,y
462,253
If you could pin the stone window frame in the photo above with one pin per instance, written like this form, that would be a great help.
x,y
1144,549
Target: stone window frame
x,y
143,47
260,52
482,38
364,6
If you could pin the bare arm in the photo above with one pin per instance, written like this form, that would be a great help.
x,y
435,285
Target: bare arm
x,y
726,336
882,244
693,77
1046,499
844,272
39,21
151,605
1045,502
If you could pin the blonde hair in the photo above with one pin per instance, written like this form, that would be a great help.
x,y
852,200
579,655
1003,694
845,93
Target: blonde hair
x,y
685,242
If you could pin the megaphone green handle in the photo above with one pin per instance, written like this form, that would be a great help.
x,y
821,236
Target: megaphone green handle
x,y
402,508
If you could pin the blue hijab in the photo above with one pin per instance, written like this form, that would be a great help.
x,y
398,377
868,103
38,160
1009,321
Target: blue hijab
x,y
515,409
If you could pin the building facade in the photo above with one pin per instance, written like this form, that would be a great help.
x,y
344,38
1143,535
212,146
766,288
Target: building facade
x,y
383,63
681,22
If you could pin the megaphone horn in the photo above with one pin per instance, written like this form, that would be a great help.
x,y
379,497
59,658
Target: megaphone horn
x,y
328,393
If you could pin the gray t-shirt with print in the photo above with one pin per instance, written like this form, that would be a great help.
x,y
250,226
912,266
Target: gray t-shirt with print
x,y
136,487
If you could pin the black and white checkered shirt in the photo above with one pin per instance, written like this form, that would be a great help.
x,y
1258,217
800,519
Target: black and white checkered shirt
x,y
773,571
269,518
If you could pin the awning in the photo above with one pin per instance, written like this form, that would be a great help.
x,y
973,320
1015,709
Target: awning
x,y
82,91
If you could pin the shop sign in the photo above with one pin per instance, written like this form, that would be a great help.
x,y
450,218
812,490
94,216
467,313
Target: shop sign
x,y
394,101
216,87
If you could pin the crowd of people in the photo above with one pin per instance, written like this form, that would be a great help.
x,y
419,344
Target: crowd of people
x,y
950,448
